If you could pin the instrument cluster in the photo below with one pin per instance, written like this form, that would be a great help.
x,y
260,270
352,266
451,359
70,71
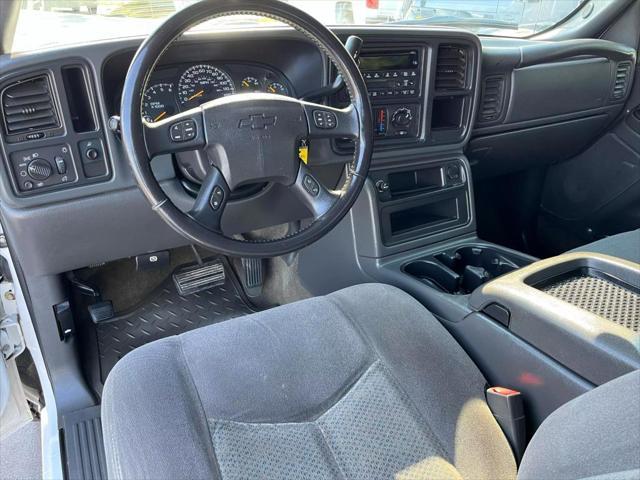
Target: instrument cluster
x,y
174,89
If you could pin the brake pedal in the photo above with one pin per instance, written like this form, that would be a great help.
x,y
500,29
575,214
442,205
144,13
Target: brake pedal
x,y
195,278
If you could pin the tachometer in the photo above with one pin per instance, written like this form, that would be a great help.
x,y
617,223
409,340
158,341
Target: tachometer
x,y
202,83
158,102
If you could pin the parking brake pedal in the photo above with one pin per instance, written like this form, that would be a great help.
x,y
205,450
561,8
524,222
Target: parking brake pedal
x,y
195,278
252,279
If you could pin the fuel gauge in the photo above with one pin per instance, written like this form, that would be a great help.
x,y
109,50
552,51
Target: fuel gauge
x,y
278,88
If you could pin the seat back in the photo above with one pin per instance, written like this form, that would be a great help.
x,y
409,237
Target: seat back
x,y
594,436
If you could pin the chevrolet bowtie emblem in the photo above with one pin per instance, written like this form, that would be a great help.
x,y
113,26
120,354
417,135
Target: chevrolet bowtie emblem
x,y
258,122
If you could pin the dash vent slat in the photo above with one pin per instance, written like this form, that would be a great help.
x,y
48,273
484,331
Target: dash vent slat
x,y
451,67
493,89
621,83
28,106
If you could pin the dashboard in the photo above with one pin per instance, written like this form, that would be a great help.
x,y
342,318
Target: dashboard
x,y
436,94
173,89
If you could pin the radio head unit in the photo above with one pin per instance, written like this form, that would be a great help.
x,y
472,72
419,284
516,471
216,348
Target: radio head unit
x,y
394,82
389,61
391,75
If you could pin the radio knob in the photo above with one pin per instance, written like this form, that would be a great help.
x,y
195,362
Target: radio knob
x,y
401,117
39,169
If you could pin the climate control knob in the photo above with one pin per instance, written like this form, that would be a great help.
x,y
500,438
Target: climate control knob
x,y
401,117
39,169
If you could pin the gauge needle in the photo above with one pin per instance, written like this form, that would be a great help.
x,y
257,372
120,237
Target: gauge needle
x,y
196,95
159,116
271,89
245,83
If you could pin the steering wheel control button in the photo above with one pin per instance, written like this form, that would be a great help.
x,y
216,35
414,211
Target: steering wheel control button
x,y
176,133
183,131
189,130
39,169
325,120
93,161
311,186
217,197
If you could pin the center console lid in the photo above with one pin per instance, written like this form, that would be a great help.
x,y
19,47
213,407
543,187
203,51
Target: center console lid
x,y
582,309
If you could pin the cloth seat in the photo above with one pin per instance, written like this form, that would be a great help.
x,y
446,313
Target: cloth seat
x,y
623,245
361,384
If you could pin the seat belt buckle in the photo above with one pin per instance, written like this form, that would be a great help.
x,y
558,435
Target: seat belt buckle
x,y
508,409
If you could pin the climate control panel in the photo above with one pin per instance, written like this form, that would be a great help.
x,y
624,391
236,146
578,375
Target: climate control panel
x,y
397,121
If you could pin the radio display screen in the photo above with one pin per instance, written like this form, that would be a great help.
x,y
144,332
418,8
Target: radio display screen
x,y
400,61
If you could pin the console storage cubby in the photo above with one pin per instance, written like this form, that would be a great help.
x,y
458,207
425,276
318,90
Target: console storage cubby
x,y
462,269
423,201
582,309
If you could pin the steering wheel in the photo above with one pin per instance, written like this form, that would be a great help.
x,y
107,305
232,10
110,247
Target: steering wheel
x,y
248,138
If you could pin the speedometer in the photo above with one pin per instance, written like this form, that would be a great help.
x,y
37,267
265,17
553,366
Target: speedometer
x,y
202,83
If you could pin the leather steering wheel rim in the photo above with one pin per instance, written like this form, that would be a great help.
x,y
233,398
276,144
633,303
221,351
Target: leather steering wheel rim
x,y
135,134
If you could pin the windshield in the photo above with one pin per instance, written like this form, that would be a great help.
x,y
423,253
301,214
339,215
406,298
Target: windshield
x,y
82,21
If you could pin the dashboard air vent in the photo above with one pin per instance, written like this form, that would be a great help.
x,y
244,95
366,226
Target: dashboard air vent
x,y
493,89
623,71
451,67
28,106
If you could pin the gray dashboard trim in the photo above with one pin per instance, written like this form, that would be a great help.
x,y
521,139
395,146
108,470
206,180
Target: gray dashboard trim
x,y
96,54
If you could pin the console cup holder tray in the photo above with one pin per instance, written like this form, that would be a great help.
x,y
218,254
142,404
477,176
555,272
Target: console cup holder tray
x,y
462,269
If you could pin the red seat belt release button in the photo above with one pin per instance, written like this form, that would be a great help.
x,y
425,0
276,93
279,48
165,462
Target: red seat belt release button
x,y
508,409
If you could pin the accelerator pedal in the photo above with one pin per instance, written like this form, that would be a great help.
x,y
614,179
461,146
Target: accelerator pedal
x,y
252,280
202,276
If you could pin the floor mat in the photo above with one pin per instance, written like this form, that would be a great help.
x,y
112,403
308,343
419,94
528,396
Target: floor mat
x,y
166,313
20,457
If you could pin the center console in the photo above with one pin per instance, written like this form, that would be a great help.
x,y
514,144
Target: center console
x,y
582,309
552,329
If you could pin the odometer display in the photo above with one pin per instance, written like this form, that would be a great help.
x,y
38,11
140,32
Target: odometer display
x,y
203,83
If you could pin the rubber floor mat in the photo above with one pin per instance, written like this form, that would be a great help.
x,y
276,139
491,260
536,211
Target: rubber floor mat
x,y
164,314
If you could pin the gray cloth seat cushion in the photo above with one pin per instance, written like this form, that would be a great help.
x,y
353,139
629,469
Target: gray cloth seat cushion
x,y
596,436
363,383
623,245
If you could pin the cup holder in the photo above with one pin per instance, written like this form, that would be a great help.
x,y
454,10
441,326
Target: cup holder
x,y
460,271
